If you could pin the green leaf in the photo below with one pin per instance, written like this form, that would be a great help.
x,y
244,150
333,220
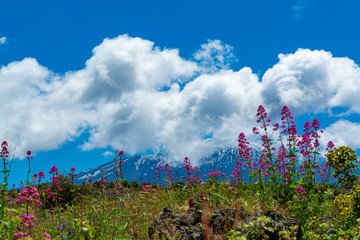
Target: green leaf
x,y
7,225
122,214
122,227
264,219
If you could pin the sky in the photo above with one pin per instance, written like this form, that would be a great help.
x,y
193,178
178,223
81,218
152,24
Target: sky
x,y
79,79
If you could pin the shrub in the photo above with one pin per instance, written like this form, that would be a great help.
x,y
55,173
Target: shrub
x,y
344,161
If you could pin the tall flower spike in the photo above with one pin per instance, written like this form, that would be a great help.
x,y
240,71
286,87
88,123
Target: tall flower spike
x,y
315,124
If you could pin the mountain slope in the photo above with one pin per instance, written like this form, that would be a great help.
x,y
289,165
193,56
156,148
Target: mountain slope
x,y
141,167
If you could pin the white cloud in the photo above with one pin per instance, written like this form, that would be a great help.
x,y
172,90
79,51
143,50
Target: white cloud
x,y
2,40
312,81
342,133
29,117
214,55
128,97
108,154
299,8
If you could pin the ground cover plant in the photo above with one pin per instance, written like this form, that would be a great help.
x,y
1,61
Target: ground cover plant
x,y
287,193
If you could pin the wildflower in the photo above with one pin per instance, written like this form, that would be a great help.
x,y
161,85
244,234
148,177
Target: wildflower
x,y
21,235
300,192
315,124
307,126
46,235
330,145
54,170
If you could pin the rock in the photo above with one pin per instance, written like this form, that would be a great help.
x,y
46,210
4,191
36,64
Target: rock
x,y
275,215
245,217
222,220
161,220
270,228
185,225
196,212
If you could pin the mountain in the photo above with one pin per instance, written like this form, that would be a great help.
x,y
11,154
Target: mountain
x,y
141,167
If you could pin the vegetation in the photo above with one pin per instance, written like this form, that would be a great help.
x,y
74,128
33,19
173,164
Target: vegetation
x,y
288,177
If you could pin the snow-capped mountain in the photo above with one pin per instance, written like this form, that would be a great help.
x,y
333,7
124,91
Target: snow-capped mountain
x,y
141,167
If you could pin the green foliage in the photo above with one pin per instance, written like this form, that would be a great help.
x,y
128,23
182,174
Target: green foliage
x,y
254,230
344,161
348,205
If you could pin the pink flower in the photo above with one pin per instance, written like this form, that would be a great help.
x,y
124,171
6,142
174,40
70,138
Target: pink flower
x,y
73,169
330,145
307,126
300,192
38,203
53,169
315,124
21,235
46,235
41,174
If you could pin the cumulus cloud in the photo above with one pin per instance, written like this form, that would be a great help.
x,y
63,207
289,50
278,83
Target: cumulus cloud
x,y
134,96
2,40
128,96
312,81
214,55
30,119
342,133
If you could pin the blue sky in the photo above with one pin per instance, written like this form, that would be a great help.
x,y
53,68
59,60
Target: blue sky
x,y
81,78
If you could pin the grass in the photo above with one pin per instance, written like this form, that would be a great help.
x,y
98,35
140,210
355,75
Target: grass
x,y
94,211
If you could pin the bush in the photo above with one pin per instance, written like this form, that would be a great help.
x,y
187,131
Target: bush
x,y
344,161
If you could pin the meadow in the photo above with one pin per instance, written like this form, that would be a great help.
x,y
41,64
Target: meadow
x,y
290,194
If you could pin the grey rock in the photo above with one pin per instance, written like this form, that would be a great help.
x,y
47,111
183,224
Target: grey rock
x,y
188,226
222,220
270,229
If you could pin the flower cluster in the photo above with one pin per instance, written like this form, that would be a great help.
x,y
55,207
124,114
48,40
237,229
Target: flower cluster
x,y
118,163
157,173
72,174
28,195
244,161
37,177
4,154
55,187
300,192
21,235
168,173
192,173
215,174
4,151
